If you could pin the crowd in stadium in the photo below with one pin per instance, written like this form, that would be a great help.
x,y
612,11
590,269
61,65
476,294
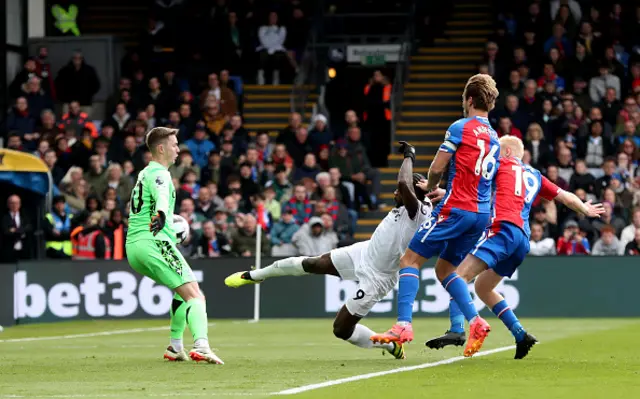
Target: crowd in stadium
x,y
569,79
305,186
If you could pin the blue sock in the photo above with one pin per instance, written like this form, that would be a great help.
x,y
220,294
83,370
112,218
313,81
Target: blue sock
x,y
459,291
456,317
504,313
407,291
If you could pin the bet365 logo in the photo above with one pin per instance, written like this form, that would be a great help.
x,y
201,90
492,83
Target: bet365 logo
x,y
113,294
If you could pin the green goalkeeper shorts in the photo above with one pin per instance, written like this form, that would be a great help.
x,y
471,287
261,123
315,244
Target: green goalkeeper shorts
x,y
160,261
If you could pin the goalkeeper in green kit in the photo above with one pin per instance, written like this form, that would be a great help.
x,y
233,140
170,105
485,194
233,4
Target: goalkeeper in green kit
x,y
151,248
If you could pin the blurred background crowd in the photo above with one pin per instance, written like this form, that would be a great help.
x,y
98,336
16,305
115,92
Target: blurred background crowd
x,y
569,78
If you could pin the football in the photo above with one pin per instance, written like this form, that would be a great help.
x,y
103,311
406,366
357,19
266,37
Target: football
x,y
181,227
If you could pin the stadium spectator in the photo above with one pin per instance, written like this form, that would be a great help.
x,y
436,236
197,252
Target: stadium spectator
x,y
37,98
608,169
271,50
244,240
540,245
17,232
572,241
95,175
299,205
194,218
77,81
20,119
312,239
608,244
629,232
320,134
89,241
281,235
609,218
633,247
308,170
598,85
581,178
210,244
377,118
199,146
115,178
560,41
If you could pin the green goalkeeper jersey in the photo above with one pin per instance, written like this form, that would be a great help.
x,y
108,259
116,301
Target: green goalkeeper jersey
x,y
153,192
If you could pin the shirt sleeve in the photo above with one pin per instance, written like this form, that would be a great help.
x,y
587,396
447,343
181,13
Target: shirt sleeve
x,y
549,190
161,183
453,137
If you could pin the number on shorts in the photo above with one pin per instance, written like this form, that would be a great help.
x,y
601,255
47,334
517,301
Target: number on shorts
x,y
136,203
530,183
485,166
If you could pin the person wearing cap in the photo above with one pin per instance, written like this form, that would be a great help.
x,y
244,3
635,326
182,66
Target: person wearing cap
x,y
200,146
57,230
311,239
572,241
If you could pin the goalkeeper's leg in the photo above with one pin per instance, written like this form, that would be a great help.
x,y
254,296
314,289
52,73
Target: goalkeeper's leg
x,y
196,318
175,350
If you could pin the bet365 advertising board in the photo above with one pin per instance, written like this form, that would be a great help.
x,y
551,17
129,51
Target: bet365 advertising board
x,y
64,290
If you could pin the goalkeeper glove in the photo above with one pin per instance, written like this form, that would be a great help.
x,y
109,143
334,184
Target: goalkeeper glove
x,y
157,223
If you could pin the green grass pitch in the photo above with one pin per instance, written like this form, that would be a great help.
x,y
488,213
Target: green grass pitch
x,y
577,358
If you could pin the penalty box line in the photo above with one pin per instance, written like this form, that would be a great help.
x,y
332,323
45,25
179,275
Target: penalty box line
x,y
361,377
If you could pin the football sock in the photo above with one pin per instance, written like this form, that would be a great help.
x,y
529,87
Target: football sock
x,y
407,291
504,313
361,338
178,322
459,291
283,267
196,315
456,317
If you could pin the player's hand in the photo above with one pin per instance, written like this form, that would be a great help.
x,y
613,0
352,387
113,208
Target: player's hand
x,y
436,194
407,150
157,223
593,210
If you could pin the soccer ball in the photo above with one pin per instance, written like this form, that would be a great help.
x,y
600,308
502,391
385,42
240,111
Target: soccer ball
x,y
181,227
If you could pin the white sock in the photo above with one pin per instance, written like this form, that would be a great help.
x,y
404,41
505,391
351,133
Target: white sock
x,y
361,338
283,267
177,345
201,342
403,323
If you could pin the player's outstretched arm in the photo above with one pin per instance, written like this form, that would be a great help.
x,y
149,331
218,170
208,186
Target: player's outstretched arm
x,y
586,208
405,180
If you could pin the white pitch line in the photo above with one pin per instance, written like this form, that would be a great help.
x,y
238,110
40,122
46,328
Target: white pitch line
x,y
360,377
89,335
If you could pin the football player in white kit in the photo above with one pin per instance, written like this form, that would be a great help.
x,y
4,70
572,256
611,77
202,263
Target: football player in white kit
x,y
374,263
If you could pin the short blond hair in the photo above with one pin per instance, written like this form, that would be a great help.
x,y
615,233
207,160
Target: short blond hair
x,y
481,88
157,135
517,148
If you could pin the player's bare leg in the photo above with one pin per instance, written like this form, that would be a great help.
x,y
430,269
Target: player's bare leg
x,y
196,318
294,266
402,331
485,289
347,327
